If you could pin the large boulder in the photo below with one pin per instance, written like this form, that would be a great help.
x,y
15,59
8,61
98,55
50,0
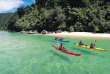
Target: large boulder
x,y
59,31
44,32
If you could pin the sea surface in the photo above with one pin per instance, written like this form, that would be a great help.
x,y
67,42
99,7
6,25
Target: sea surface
x,y
34,54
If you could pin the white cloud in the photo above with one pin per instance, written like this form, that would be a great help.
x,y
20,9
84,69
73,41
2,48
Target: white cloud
x,y
34,0
6,5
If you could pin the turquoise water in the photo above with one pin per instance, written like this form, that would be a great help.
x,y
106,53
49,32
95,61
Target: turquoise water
x,y
34,54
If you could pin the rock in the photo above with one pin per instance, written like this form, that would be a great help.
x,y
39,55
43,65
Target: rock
x,y
59,31
35,32
108,32
26,32
22,31
53,32
49,32
31,32
44,32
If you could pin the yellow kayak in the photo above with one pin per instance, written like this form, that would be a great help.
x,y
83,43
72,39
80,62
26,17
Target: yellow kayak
x,y
88,47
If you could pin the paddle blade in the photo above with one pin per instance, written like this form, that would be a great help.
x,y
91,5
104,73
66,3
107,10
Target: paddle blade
x,y
95,40
57,43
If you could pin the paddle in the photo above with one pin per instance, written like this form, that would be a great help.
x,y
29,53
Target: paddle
x,y
58,43
95,41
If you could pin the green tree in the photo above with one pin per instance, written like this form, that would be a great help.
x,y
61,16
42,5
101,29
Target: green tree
x,y
71,29
21,11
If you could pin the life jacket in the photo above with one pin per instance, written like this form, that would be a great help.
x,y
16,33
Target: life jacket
x,y
61,47
61,39
80,43
56,38
92,46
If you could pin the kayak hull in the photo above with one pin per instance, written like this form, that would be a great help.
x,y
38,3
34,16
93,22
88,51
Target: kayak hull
x,y
88,47
67,51
62,40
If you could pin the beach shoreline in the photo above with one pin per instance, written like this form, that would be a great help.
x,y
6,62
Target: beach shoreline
x,y
80,34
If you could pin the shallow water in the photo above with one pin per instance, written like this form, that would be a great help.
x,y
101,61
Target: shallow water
x,y
34,54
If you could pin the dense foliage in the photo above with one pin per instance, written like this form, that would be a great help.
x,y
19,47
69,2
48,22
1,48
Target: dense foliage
x,y
70,15
4,18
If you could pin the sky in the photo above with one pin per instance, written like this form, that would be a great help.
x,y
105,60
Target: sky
x,y
12,5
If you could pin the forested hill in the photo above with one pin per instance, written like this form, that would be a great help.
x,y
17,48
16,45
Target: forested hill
x,y
69,15
4,18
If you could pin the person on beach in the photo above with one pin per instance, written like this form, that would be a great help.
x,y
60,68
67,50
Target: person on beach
x,y
80,43
62,47
61,39
56,38
92,45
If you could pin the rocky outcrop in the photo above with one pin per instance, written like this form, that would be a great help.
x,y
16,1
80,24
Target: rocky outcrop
x,y
35,32
30,32
44,32
59,31
22,31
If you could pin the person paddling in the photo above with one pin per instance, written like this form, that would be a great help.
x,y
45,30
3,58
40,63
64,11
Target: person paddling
x,y
62,47
92,45
80,43
56,38
61,39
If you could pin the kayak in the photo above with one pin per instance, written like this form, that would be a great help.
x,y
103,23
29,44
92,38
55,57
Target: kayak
x,y
62,40
67,51
88,47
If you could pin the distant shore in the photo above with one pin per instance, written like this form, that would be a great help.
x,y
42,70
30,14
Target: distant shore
x,y
72,34
80,34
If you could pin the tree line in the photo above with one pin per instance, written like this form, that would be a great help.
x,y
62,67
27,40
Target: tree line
x,y
69,15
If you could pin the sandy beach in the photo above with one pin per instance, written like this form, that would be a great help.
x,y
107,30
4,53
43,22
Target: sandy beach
x,y
81,34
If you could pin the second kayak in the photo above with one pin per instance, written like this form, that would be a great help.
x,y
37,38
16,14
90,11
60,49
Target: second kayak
x,y
88,47
67,51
